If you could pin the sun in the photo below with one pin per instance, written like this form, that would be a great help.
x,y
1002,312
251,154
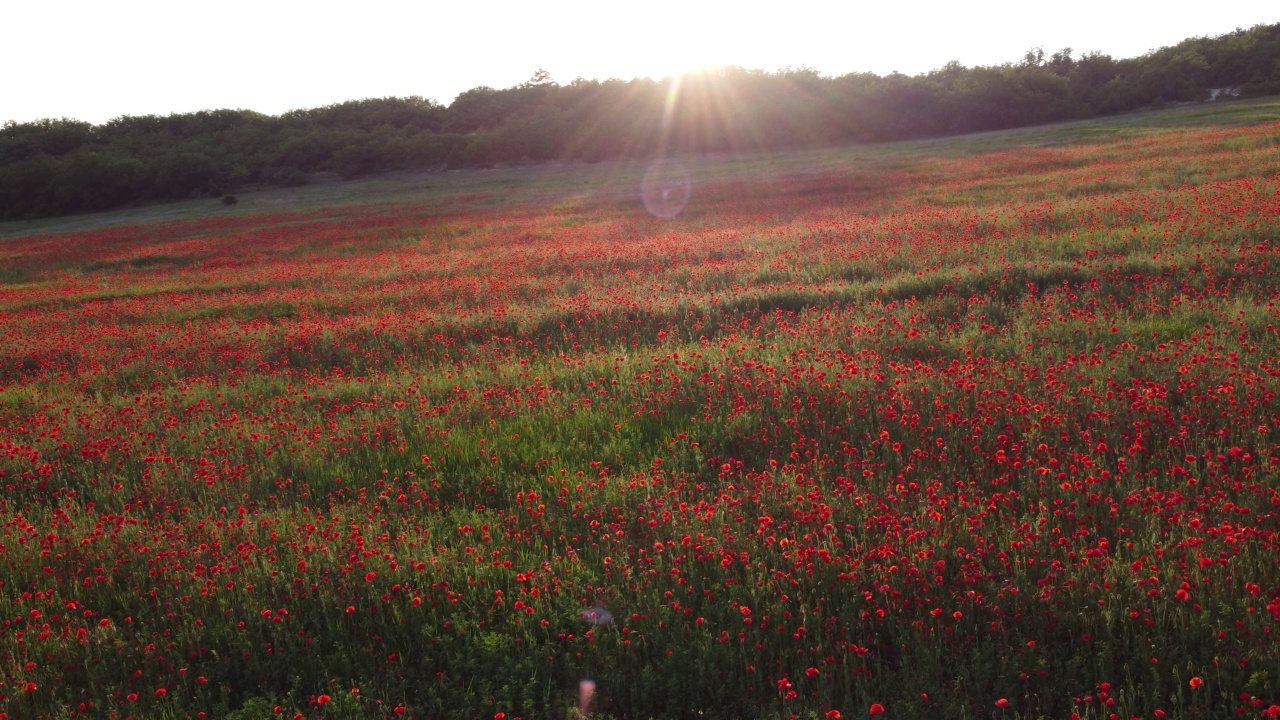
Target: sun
x,y
702,42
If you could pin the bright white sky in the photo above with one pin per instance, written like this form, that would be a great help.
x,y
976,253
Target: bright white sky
x,y
96,59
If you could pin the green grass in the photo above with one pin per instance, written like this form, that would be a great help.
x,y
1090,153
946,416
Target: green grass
x,y
581,185
939,411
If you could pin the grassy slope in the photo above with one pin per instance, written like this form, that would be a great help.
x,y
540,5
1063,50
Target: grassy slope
x,y
483,189
1018,297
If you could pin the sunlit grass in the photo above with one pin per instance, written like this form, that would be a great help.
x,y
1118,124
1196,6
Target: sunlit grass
x,y
932,416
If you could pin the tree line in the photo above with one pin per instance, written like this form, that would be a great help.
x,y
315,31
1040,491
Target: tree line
x,y
54,167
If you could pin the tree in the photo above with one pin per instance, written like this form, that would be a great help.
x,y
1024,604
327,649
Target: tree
x,y
540,78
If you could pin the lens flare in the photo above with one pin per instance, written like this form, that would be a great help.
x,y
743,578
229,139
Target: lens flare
x,y
597,615
665,188
586,690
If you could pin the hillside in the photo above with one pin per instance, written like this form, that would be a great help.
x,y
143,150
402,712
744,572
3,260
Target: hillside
x,y
979,427
59,166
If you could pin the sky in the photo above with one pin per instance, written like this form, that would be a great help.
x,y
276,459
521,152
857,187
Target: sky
x,y
97,60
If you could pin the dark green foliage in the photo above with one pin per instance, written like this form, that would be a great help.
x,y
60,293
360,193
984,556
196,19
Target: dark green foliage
x,y
53,167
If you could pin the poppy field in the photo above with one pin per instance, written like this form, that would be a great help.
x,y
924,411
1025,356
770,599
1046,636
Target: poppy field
x,y
919,432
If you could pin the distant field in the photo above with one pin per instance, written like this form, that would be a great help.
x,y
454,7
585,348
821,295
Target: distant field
x,y
980,427
485,189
